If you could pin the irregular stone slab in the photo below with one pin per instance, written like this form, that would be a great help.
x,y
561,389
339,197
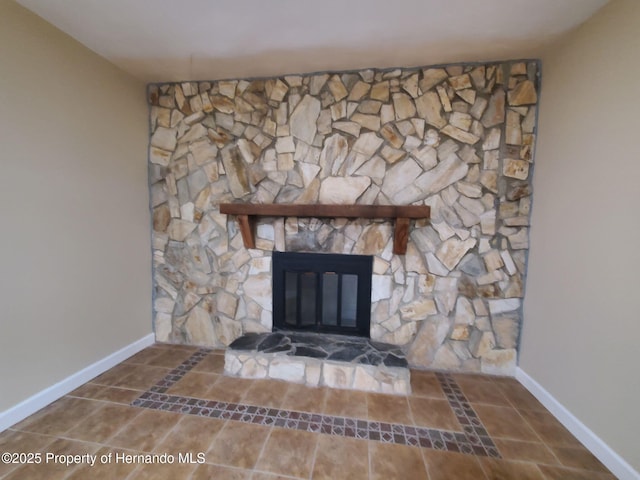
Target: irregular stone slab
x,y
371,107
352,128
203,152
226,304
304,117
317,82
506,329
430,108
444,98
513,134
337,88
159,156
427,156
381,287
419,310
343,190
285,145
429,338
179,229
432,77
452,250
374,168
337,376
165,138
392,155
492,140
278,90
391,135
367,144
370,122
461,120
400,175
199,328
287,369
478,107
380,91
460,82
359,90
467,95
226,330
460,135
494,114
503,305
464,312
472,265
515,168
499,362
403,106
258,289
523,94
509,265
519,240
333,154
444,174
236,172
480,343
161,218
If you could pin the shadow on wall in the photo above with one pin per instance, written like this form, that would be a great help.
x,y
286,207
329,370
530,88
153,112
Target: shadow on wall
x,y
338,58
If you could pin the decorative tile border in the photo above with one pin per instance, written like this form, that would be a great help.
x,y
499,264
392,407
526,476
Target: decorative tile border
x,y
474,440
180,371
475,432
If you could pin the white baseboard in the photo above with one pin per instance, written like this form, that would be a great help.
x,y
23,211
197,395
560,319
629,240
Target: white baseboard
x,y
614,462
43,398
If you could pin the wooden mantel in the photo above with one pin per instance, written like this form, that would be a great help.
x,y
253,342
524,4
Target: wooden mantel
x,y
246,213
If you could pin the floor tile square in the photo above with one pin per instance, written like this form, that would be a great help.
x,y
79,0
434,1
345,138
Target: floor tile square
x,y
288,452
396,461
339,457
449,466
238,444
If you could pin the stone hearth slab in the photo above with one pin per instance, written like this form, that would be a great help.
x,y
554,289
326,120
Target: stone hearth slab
x,y
335,361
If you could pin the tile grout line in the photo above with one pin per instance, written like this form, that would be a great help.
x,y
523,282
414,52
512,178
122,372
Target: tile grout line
x,y
315,456
474,440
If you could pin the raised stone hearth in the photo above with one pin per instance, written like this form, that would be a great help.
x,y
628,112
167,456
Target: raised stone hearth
x,y
335,361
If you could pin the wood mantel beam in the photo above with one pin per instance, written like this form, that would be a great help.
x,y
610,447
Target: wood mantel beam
x,y
402,215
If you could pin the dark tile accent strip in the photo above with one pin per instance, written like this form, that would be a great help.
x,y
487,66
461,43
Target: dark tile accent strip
x,y
180,371
473,428
474,440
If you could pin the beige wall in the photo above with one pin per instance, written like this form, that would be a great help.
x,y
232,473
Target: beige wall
x,y
74,242
581,311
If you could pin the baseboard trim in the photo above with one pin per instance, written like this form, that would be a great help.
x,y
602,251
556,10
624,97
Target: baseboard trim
x,y
614,462
43,398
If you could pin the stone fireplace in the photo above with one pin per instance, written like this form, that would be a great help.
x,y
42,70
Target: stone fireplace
x,y
457,138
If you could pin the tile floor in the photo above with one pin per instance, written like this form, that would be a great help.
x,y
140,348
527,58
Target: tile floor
x,y
173,400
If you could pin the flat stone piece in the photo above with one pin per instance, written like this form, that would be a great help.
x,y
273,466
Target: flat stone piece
x,y
304,351
250,341
303,119
271,341
523,94
356,350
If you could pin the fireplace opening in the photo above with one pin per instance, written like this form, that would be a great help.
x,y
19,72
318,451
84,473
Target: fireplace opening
x,y
322,292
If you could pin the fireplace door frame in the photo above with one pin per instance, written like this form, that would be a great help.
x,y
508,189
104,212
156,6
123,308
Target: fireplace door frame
x,y
318,264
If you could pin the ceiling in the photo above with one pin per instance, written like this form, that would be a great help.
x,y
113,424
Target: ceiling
x,y
168,40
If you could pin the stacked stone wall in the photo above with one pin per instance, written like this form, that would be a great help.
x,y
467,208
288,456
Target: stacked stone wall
x,y
458,138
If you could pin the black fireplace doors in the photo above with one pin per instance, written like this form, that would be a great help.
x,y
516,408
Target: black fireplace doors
x,y
322,292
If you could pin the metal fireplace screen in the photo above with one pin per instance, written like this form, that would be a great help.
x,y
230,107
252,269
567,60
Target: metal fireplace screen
x,y
322,292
